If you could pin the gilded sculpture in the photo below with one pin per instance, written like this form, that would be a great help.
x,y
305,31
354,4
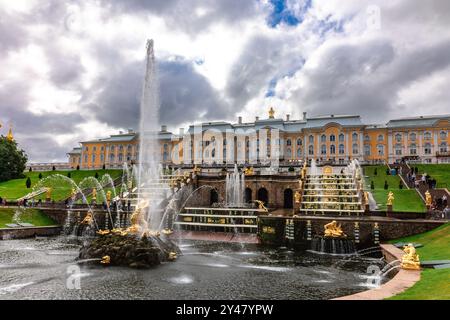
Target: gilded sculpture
x,y
410,260
428,198
390,199
334,230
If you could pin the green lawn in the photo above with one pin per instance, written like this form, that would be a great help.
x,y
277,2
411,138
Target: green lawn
x,y
33,216
434,283
440,172
405,200
15,189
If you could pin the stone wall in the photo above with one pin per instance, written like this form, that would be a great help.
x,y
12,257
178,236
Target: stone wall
x,y
29,232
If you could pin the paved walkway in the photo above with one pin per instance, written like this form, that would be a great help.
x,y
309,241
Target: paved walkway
x,y
403,280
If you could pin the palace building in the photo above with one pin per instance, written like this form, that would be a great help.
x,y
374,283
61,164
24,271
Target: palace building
x,y
331,139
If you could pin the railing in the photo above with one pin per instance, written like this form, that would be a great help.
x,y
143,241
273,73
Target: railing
x,y
443,154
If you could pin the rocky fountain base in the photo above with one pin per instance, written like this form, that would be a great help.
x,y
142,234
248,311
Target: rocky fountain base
x,y
129,250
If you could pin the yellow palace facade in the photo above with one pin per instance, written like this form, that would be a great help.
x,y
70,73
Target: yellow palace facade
x,y
331,139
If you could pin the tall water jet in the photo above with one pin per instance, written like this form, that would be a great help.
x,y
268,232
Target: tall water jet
x,y
148,170
235,188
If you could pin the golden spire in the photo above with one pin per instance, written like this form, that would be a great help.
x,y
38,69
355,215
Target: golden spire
x,y
10,136
271,113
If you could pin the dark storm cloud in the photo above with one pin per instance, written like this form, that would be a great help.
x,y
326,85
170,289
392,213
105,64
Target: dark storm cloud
x,y
185,95
365,78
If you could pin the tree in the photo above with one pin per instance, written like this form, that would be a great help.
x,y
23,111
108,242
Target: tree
x,y
78,167
375,172
400,185
40,176
104,167
28,183
386,186
54,168
69,175
96,175
372,185
30,170
12,160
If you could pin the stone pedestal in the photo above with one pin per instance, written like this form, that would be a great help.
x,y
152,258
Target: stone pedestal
x,y
367,208
389,208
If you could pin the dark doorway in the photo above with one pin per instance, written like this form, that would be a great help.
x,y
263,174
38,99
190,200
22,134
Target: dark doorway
x,y
263,196
213,197
288,199
248,195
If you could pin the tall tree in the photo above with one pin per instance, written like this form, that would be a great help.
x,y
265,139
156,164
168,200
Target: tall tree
x,y
12,160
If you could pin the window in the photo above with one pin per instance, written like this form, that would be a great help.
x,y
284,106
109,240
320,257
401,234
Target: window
x,y
341,137
299,153
120,157
121,148
341,149
311,150
166,147
412,149
94,149
443,135
367,150
443,147
129,148
427,135
288,142
332,149
102,148
268,141
398,137
412,136
427,148
354,136
112,158
299,142
165,156
332,138
366,137
311,139
86,149
323,138
355,148
213,153
289,153
102,158
112,149
380,138
86,158
398,150
323,149
380,150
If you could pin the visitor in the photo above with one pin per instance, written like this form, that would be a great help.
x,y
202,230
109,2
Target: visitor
x,y
39,202
424,178
444,201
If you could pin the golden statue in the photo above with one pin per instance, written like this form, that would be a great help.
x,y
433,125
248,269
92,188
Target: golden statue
x,y
261,205
249,171
366,197
390,199
196,169
106,260
94,194
138,222
108,196
166,231
334,230
88,218
103,232
271,113
48,194
410,260
10,136
74,193
297,196
300,184
172,256
428,198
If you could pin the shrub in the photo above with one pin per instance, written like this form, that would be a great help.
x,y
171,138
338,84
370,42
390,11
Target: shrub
x,y
400,185
54,168
386,186
40,176
375,172
78,167
96,175
30,170
372,185
69,174
28,183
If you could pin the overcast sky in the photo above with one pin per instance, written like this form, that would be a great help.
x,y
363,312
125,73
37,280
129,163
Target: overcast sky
x,y
73,70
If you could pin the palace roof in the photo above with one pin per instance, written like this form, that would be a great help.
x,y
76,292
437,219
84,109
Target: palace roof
x,y
422,121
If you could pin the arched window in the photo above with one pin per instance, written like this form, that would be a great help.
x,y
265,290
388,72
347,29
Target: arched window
x,y
427,135
299,142
332,149
341,149
380,138
311,139
380,150
311,150
120,157
443,135
398,150
299,153
354,136
323,138
332,138
289,153
398,137
165,156
367,150
413,149
121,148
366,137
412,136
166,146
323,149
112,158
443,147
427,148
93,158
341,137
288,142
355,148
